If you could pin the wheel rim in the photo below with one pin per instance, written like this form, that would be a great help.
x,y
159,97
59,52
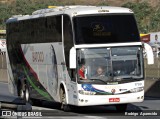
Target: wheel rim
x,y
27,95
21,94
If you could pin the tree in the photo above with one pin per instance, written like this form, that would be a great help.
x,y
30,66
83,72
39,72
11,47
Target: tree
x,y
148,18
142,13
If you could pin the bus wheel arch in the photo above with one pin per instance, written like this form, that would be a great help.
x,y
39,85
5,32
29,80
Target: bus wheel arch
x,y
63,98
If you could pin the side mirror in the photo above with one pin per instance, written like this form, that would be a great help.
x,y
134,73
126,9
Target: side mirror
x,y
72,58
149,53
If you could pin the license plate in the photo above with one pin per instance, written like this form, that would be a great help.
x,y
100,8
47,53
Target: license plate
x,y
114,99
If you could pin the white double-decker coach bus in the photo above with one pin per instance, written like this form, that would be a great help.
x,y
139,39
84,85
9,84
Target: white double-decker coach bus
x,y
54,55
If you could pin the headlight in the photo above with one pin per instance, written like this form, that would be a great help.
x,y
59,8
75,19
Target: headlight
x,y
83,92
136,90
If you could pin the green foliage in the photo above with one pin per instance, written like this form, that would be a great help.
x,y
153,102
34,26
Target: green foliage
x,y
4,15
22,7
142,13
148,18
103,3
155,21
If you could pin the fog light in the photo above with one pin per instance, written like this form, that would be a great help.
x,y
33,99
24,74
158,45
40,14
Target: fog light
x,y
82,100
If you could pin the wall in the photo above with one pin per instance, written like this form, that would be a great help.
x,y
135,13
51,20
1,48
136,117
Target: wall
x,y
3,68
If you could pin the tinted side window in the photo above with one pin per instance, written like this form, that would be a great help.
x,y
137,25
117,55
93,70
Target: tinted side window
x,y
41,30
53,29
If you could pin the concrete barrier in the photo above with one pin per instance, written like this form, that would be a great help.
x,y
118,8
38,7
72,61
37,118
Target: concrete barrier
x,y
152,82
152,88
3,75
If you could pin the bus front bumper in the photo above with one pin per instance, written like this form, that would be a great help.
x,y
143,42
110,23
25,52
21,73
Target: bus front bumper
x,y
89,100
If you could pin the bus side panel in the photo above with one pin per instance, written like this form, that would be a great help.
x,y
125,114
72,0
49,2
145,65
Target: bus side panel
x,y
11,82
45,61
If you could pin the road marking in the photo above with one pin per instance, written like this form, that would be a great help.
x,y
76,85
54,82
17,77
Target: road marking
x,y
66,117
95,117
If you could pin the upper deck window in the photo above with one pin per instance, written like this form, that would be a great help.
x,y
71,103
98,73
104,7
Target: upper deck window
x,y
105,29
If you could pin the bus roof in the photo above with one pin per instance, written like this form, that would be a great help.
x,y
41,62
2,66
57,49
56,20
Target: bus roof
x,y
71,11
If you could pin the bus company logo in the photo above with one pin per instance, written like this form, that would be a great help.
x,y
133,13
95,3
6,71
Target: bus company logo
x,y
113,91
97,27
37,57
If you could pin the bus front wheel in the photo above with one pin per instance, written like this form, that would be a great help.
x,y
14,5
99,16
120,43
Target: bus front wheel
x,y
64,105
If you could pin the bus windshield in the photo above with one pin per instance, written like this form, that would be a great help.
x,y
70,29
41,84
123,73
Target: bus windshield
x,y
103,65
105,29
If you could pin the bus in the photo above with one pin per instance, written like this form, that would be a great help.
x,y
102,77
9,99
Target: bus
x,y
47,49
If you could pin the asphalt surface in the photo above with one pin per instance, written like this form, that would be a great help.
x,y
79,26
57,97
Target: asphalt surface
x,y
150,108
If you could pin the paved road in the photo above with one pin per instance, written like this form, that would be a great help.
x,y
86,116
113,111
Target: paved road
x,y
46,109
102,112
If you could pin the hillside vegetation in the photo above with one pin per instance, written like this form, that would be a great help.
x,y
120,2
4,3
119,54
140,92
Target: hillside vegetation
x,y
147,12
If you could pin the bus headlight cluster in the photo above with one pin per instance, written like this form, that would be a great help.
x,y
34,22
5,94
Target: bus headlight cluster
x,y
83,92
136,90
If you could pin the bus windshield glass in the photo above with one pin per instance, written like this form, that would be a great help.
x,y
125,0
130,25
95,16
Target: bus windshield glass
x,y
105,29
103,65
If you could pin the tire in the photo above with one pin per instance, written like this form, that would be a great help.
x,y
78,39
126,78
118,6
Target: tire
x,y
121,107
64,105
23,92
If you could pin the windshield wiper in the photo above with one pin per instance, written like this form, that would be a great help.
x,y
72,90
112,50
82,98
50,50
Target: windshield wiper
x,y
120,78
132,77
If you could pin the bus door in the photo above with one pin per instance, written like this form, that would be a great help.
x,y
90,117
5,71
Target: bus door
x,y
54,70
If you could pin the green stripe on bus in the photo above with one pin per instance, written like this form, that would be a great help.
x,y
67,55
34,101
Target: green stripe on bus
x,y
44,94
